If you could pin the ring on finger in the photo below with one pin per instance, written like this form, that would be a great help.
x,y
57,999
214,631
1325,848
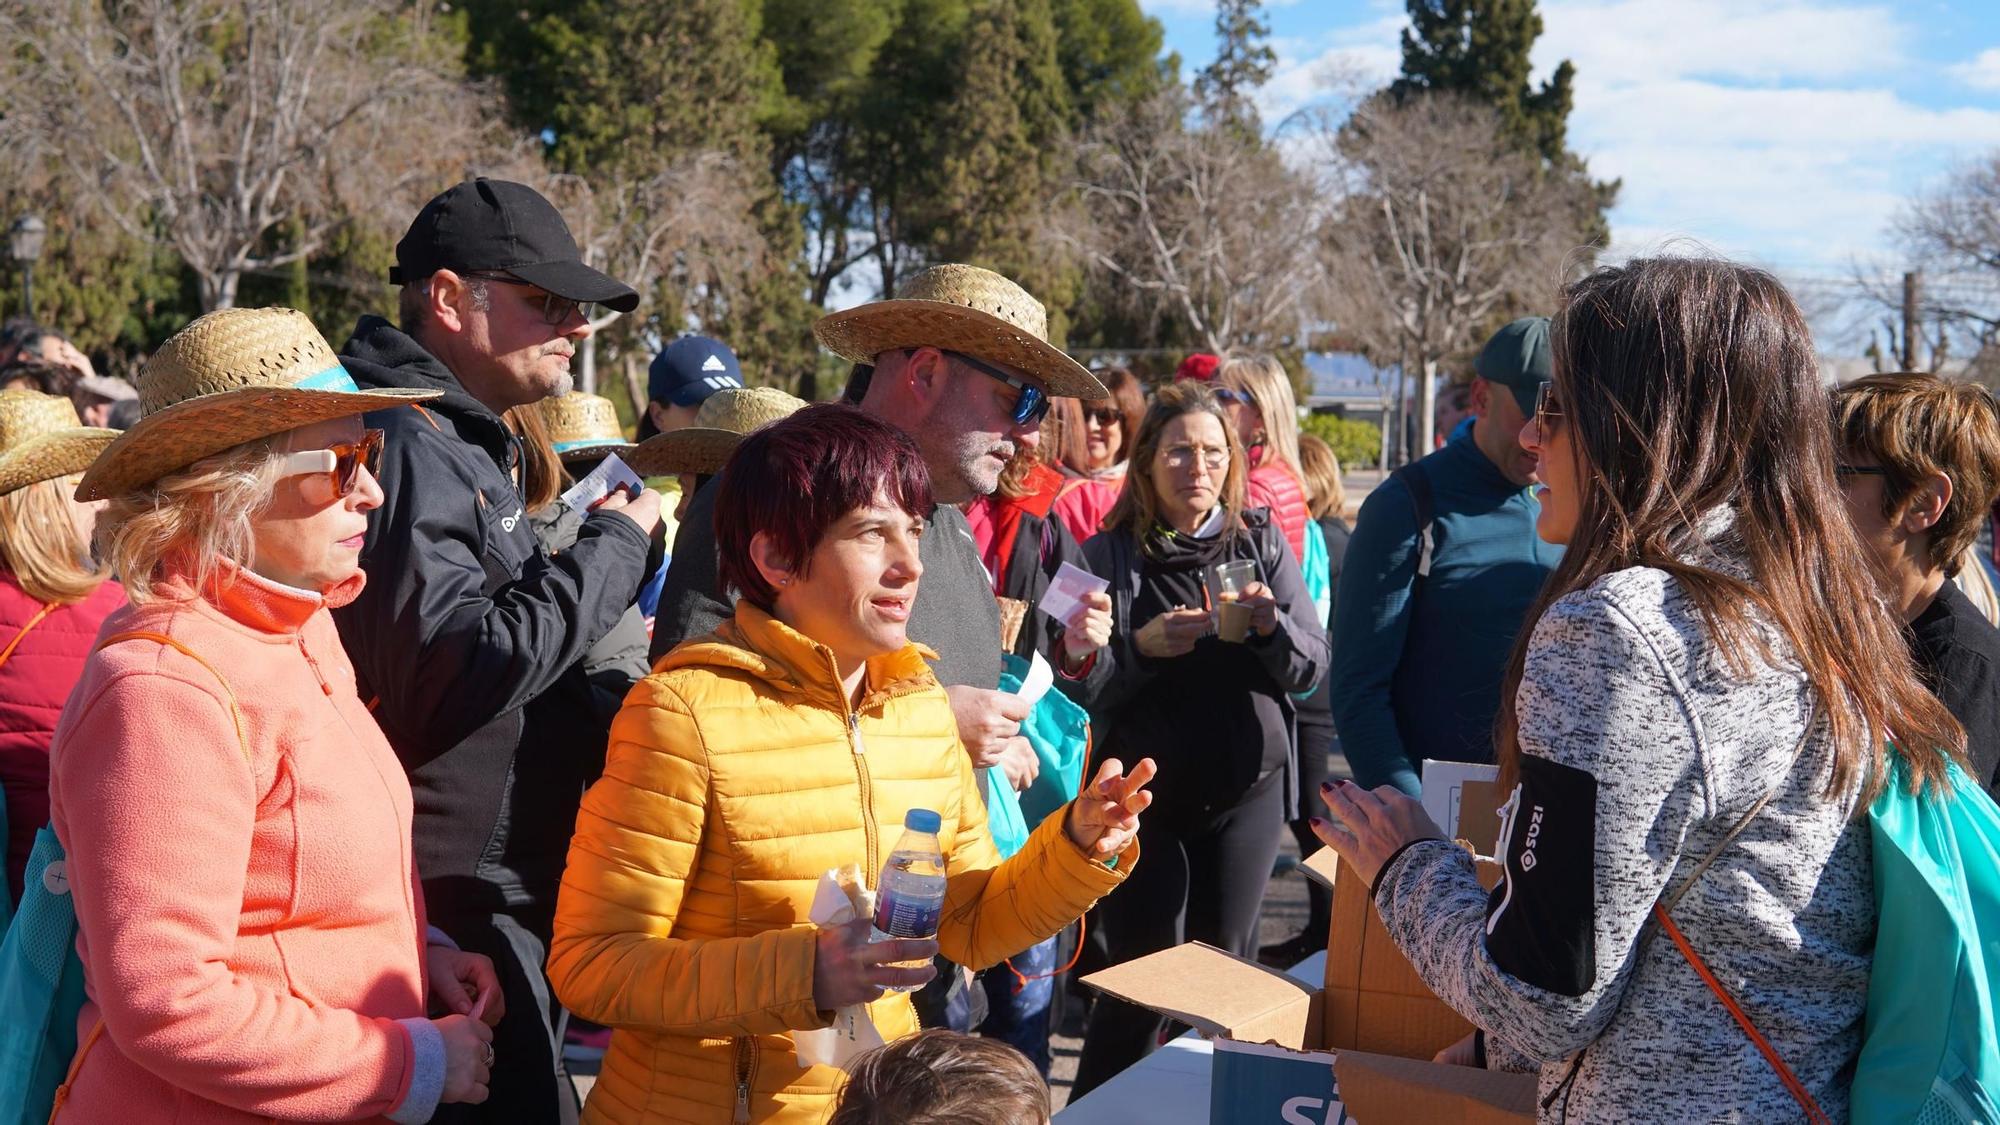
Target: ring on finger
x,y
489,1056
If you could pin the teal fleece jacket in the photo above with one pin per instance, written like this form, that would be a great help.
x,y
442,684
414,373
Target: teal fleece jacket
x,y
1419,677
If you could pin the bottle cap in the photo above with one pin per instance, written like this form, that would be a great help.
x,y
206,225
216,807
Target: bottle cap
x,y
922,820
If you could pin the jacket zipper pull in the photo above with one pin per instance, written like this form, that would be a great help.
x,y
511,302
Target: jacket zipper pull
x,y
742,1116
324,687
854,731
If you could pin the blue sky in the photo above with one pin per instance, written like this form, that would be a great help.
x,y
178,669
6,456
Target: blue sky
x,y
1781,132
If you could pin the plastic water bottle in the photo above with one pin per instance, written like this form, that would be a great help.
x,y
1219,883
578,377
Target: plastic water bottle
x,y
909,898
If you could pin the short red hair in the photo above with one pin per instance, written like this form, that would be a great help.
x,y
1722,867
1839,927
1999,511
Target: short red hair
x,y
799,476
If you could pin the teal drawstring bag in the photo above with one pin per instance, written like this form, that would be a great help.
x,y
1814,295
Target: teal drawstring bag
x,y
1059,730
41,989
1930,1049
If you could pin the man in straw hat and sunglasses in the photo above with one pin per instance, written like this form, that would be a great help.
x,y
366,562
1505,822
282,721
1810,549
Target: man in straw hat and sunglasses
x,y
471,636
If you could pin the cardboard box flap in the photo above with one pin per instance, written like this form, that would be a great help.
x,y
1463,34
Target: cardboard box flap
x,y
1320,866
1216,994
1385,1088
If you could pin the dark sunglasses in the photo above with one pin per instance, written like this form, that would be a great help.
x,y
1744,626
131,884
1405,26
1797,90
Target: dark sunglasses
x,y
1030,408
341,461
1546,405
556,311
1234,397
1103,415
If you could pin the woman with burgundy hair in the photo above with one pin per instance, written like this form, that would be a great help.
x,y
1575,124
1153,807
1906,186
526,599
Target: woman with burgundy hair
x,y
790,742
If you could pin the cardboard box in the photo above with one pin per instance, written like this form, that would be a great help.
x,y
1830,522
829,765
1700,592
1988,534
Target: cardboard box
x,y
1357,1050
1467,797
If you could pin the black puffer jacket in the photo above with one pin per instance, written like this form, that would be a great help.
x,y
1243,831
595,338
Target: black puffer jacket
x,y
470,638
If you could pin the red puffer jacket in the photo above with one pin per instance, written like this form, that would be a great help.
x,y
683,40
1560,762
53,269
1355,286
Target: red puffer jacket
x,y
1273,485
35,681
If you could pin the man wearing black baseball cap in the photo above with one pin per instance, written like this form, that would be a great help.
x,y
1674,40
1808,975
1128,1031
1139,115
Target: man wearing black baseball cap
x,y
682,377
469,637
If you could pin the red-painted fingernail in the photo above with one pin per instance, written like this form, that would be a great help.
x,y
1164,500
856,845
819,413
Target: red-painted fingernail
x,y
1326,786
1318,822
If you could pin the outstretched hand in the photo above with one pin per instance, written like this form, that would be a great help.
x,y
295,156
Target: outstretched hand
x,y
1105,817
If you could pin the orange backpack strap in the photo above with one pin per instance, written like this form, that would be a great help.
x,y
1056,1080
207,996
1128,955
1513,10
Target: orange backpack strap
x,y
7,652
235,712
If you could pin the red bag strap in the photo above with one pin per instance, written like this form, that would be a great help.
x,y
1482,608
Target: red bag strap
x,y
1796,1088
1793,1086
7,652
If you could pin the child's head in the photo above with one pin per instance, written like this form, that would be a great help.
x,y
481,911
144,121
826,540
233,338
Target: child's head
x,y
940,1077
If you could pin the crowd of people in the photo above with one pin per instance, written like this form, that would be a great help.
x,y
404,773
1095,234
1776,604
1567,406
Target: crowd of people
x,y
384,776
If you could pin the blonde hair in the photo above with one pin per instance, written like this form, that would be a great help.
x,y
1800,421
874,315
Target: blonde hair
x,y
1326,495
40,547
187,521
1915,425
1262,377
1138,507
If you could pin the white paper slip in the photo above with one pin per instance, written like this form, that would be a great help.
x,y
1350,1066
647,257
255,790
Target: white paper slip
x,y
1444,795
1039,680
1065,595
610,473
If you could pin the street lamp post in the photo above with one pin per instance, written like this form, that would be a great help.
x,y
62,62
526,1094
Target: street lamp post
x,y
24,245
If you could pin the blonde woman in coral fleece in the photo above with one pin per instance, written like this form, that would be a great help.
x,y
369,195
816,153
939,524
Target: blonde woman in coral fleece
x,y
238,830
792,740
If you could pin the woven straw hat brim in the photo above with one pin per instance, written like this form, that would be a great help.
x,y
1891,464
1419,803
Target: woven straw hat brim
x,y
48,456
700,450
177,436
863,332
587,452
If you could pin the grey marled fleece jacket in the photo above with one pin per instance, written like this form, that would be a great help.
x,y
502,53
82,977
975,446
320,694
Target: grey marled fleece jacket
x,y
1640,750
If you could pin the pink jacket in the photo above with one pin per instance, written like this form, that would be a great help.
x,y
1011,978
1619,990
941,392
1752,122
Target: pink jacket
x,y
252,931
1084,504
34,682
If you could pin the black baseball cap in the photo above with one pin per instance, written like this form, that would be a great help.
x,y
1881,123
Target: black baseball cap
x,y
690,369
495,225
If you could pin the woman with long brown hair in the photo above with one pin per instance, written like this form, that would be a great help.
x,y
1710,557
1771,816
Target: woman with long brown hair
x,y
1690,728
1217,712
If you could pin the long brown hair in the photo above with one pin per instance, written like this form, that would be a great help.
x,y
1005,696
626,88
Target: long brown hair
x,y
1138,507
1690,384
542,472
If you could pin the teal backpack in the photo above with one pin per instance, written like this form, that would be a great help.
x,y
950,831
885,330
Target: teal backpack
x,y
1930,1052
1059,730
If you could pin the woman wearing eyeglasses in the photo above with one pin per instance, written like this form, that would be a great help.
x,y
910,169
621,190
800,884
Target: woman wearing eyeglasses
x,y
237,829
1217,715
1257,394
1100,459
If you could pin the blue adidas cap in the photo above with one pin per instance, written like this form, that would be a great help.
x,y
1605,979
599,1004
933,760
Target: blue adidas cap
x,y
691,369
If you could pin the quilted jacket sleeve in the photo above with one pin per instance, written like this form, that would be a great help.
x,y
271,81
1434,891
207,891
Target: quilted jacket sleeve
x,y
614,958
994,909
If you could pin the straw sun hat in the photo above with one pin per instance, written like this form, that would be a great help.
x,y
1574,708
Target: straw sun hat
x,y
42,439
961,308
719,426
584,425
231,376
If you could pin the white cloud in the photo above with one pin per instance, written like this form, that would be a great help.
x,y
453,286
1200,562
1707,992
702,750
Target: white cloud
x,y
1983,72
1368,55
1740,40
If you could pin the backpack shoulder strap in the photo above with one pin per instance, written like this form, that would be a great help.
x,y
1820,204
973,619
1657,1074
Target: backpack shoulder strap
x,y
1418,484
6,653
235,712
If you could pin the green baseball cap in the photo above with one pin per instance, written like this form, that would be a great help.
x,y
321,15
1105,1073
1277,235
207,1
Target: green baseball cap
x,y
1518,357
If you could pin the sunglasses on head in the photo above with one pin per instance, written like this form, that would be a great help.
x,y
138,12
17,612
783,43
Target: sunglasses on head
x,y
341,461
1033,404
1230,396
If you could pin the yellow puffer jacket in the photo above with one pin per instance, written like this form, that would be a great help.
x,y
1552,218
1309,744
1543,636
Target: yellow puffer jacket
x,y
736,776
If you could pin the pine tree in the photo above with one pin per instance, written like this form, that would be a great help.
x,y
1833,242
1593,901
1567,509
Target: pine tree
x,y
998,171
1481,48
1243,62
